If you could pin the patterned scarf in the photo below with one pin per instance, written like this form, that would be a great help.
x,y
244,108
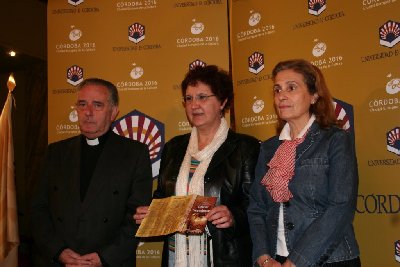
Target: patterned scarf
x,y
281,170
196,186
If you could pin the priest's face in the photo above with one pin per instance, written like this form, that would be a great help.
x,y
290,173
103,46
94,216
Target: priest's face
x,y
95,110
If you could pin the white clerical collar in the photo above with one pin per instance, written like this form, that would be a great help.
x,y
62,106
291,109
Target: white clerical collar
x,y
92,142
285,133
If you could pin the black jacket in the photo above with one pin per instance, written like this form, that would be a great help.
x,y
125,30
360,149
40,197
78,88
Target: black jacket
x,y
229,175
103,222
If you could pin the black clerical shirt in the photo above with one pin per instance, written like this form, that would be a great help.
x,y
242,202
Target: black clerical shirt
x,y
89,157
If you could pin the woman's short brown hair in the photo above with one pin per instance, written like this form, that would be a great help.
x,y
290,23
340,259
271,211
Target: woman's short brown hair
x,y
218,79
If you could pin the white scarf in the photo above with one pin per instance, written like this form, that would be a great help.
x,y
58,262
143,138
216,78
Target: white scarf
x,y
196,186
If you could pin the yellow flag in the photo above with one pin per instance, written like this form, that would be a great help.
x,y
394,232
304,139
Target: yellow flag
x,y
9,239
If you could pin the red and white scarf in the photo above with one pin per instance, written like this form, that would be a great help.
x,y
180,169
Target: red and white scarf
x,y
281,170
281,166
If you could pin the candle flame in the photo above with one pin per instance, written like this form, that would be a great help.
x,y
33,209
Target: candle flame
x,y
11,83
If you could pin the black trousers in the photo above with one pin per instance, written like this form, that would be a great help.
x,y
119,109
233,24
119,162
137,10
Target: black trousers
x,y
350,263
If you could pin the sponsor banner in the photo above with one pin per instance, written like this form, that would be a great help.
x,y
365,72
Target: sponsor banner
x,y
378,204
145,129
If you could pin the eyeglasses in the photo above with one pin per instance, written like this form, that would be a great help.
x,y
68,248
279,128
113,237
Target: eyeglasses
x,y
83,105
187,99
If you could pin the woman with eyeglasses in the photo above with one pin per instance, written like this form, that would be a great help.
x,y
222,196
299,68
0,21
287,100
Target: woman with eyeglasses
x,y
303,199
212,160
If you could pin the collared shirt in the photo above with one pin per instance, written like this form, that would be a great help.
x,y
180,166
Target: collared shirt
x,y
285,133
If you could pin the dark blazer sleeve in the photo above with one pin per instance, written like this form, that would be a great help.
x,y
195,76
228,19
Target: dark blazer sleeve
x,y
124,243
44,233
232,172
249,148
257,210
